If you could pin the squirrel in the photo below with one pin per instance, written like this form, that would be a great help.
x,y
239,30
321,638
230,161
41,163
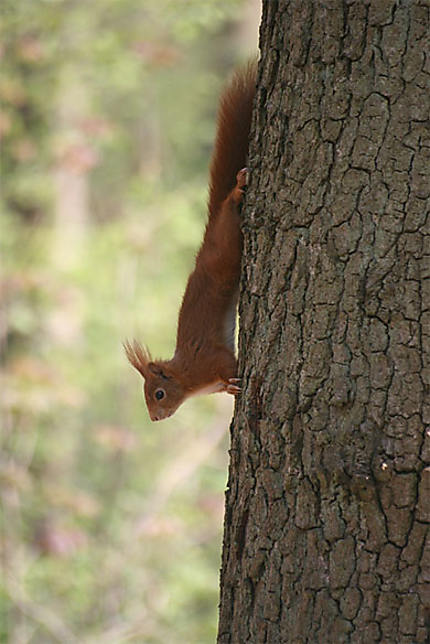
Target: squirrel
x,y
204,360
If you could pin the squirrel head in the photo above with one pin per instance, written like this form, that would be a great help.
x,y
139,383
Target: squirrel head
x,y
163,392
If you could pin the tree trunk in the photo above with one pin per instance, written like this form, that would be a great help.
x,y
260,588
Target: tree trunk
x,y
327,512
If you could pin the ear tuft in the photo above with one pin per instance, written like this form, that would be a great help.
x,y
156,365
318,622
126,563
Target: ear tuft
x,y
138,356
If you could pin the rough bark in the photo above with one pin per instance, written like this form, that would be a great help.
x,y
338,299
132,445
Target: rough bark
x,y
327,510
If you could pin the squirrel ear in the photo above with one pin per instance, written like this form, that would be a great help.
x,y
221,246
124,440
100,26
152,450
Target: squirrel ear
x,y
153,368
157,370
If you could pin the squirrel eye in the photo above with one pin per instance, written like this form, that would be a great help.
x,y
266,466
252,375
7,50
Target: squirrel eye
x,y
159,394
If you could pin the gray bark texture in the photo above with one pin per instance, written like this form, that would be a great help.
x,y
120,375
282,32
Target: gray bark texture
x,y
327,511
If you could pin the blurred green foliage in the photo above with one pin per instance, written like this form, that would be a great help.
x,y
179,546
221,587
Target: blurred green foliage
x,y
110,525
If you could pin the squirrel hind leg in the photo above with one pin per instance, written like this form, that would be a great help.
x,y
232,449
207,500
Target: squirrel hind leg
x,y
242,178
241,185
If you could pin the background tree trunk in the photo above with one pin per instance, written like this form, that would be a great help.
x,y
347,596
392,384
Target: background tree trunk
x,y
327,516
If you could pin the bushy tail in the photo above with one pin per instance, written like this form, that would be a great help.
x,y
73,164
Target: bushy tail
x,y
231,142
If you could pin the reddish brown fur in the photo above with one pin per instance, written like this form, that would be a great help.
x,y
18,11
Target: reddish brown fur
x,y
204,356
231,142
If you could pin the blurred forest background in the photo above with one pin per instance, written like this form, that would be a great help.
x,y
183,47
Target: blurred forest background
x,y
110,524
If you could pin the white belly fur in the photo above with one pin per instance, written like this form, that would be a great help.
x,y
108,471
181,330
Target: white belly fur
x,y
213,388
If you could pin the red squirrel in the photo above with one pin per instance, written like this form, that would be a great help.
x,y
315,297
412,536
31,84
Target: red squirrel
x,y
204,359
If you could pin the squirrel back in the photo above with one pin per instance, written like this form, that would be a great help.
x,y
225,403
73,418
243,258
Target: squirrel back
x,y
232,138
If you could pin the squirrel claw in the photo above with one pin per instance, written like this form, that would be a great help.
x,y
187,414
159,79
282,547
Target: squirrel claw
x,y
232,387
242,178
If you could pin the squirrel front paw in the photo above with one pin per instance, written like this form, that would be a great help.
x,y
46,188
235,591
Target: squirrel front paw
x,y
232,386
